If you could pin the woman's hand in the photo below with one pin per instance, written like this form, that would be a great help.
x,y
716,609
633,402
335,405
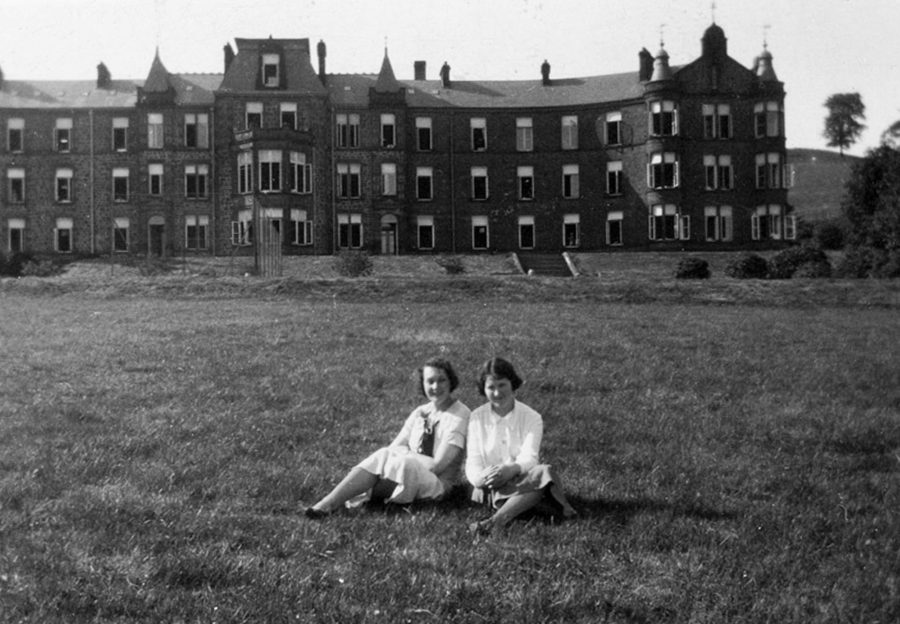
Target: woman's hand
x,y
495,476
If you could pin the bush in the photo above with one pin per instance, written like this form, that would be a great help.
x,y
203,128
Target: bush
x,y
859,262
14,264
814,269
353,263
828,235
451,264
692,268
785,263
748,266
39,268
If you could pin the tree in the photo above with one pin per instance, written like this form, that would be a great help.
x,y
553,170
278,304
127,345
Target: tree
x,y
872,209
843,123
891,136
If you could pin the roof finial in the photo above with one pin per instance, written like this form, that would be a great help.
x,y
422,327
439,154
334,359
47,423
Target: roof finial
x,y
713,11
766,28
662,38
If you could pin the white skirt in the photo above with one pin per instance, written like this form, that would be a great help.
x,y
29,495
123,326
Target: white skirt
x,y
410,471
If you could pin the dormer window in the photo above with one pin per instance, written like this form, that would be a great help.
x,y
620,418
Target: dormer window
x,y
270,70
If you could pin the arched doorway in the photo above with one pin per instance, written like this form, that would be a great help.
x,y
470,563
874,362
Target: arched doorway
x,y
388,235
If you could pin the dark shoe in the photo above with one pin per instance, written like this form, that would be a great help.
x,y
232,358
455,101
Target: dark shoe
x,y
482,527
315,514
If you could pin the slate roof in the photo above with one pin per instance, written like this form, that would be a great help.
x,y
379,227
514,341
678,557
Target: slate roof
x,y
241,76
353,90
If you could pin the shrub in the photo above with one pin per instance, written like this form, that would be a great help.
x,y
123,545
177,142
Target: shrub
x,y
353,263
451,264
39,268
14,264
748,266
828,235
785,263
814,269
692,268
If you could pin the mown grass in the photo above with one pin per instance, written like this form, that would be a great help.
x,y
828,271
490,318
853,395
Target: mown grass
x,y
730,463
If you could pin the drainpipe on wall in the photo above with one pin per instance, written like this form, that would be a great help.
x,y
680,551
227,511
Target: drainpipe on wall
x,y
214,185
452,190
334,226
91,194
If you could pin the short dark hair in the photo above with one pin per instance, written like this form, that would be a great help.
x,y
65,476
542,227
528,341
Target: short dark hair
x,y
498,368
444,365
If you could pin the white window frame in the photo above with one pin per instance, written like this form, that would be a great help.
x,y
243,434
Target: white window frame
x,y
64,224
425,222
253,111
422,174
481,221
480,173
768,119
200,175
569,132
121,173
527,221
270,171
62,135
271,70
614,169
289,110
571,185
478,134
424,138
245,172
658,167
301,228
770,171
199,123
120,127
616,216
200,241
301,173
717,121
389,179
664,118
155,131
64,177
353,225
121,224
155,172
524,134
242,229
525,182
15,225
718,223
571,221
613,120
15,125
680,224
349,180
388,130
718,172
16,174
766,222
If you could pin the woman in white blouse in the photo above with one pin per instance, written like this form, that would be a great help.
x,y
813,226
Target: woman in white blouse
x,y
503,452
425,459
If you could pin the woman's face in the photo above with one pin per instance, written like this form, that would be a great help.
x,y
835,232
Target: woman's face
x,y
499,392
436,384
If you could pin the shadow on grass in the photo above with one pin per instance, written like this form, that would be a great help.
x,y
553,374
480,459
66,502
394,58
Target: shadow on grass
x,y
622,511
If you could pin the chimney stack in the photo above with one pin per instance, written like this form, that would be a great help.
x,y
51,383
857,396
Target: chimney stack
x,y
646,65
545,73
104,78
445,75
321,51
419,70
229,56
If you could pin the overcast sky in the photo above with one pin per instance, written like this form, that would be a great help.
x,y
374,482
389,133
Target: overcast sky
x,y
820,47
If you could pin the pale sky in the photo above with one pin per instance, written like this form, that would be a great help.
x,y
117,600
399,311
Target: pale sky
x,y
820,47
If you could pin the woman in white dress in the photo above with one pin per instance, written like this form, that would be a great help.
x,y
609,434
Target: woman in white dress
x,y
424,462
503,453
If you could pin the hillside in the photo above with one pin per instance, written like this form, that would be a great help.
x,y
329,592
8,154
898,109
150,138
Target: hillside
x,y
819,178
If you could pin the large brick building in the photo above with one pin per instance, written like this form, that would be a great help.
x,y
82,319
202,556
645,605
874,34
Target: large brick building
x,y
661,157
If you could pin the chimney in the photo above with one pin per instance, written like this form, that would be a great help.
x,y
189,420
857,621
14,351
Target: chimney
x,y
445,75
229,56
104,78
545,73
419,70
321,51
646,65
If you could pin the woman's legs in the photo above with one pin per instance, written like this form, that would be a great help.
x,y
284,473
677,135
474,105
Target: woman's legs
x,y
516,505
356,482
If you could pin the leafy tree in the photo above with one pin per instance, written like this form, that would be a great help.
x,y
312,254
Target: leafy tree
x,y
872,209
843,123
891,136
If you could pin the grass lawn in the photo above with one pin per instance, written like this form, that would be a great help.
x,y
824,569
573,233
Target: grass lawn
x,y
733,450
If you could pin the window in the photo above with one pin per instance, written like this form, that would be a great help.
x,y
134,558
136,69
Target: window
x,y
301,171
289,115
347,130
253,115
388,130
571,235
769,171
667,224
663,118
478,126
526,232
569,132
524,134
155,179
348,180
768,119
350,231
16,240
270,73
196,130
301,228
63,135
154,131
718,223
719,174
62,235
425,231
269,171
64,185
662,172
614,228
196,181
120,234
120,134
765,222
15,134
423,134
614,177
480,234
614,128
242,229
16,179
716,121
120,184
479,183
570,186
196,229
424,183
388,179
245,172
525,176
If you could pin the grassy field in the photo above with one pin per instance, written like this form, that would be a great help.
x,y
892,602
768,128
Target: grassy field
x,y
733,449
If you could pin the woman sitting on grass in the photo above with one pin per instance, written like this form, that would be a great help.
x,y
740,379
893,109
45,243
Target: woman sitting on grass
x,y
503,454
424,462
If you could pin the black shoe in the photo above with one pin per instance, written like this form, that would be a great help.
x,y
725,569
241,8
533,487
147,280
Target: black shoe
x,y
315,514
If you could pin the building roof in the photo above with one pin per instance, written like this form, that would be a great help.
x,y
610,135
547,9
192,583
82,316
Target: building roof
x,y
299,77
353,90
